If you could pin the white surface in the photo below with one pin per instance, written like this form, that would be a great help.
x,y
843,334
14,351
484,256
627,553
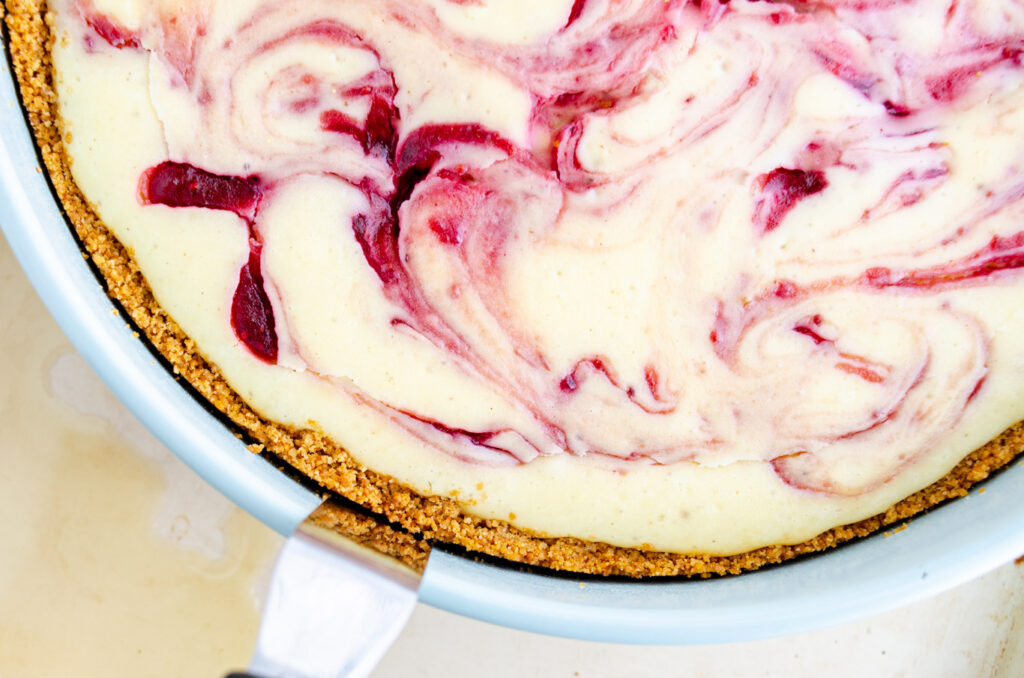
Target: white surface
x,y
975,631
140,597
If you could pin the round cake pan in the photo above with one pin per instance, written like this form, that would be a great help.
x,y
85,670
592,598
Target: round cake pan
x,y
938,550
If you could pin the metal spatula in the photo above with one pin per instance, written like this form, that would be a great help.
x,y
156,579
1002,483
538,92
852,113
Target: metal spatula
x,y
333,609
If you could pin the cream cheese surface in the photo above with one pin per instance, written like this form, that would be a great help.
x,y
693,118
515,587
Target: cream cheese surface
x,y
696,277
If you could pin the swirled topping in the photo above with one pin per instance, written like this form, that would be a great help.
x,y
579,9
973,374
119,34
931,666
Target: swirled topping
x,y
633,234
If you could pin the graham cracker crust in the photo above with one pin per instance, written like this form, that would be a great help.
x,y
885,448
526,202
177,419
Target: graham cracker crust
x,y
397,520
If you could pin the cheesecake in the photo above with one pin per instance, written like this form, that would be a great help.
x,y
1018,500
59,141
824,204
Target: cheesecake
x,y
610,286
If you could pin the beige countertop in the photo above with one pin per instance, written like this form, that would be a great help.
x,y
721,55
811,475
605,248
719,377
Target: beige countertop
x,y
117,561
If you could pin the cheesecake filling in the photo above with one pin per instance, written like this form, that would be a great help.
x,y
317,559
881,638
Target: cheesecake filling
x,y
692,276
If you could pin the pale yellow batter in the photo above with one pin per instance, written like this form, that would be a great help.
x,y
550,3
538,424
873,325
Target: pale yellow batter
x,y
649,288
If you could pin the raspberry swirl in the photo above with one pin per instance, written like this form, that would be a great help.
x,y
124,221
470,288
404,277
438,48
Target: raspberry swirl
x,y
732,271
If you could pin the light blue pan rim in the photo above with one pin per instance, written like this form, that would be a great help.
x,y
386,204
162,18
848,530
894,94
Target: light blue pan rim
x,y
942,549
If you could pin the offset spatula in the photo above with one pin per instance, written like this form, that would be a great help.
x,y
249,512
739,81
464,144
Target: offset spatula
x,y
333,609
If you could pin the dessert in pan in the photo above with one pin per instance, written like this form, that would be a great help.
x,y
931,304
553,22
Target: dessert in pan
x,y
611,286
